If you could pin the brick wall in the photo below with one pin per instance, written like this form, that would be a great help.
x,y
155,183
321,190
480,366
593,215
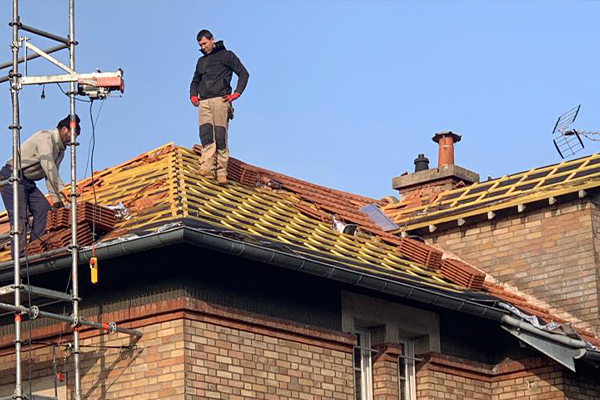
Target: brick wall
x,y
194,350
151,371
385,372
441,377
236,364
550,253
437,379
580,386
536,383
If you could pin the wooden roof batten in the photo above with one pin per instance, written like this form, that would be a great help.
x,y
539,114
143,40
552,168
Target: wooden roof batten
x,y
517,193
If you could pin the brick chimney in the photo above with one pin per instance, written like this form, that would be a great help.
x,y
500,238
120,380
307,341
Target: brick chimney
x,y
446,176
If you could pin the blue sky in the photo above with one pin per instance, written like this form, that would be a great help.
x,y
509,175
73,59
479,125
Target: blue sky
x,y
341,93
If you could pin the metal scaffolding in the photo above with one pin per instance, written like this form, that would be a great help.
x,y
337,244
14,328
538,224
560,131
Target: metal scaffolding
x,y
93,85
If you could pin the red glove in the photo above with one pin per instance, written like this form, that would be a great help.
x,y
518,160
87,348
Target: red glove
x,y
231,97
194,100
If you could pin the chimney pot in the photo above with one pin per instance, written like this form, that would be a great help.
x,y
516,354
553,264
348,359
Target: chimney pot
x,y
445,141
421,163
435,180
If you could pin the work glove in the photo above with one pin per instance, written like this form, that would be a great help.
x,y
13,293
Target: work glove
x,y
194,100
231,97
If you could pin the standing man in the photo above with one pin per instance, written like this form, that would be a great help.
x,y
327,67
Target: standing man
x,y
210,90
41,156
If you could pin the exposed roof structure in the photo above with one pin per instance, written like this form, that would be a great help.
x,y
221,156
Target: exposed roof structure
x,y
513,190
160,186
275,211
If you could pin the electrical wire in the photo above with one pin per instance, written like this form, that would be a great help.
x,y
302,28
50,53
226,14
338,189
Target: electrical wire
x,y
588,135
65,93
92,149
92,138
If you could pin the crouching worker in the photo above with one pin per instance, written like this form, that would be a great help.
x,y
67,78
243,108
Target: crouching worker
x,y
41,156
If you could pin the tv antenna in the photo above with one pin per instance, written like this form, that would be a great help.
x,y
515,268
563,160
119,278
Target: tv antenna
x,y
568,140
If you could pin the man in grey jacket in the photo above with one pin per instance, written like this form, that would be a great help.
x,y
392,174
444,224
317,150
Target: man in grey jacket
x,y
41,156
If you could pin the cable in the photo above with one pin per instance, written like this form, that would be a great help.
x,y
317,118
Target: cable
x,y
587,135
93,137
65,93
27,227
93,148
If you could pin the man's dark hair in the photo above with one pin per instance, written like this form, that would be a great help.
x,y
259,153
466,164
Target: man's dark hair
x,y
204,33
65,123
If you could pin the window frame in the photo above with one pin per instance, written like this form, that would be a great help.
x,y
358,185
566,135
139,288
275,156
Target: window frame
x,y
407,382
366,365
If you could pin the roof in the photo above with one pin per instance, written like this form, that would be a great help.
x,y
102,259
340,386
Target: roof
x,y
265,207
508,191
160,186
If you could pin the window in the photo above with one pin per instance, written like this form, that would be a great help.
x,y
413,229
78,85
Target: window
x,y
363,378
406,371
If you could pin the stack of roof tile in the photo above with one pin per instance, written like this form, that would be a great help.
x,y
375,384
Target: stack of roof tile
x,y
415,251
241,172
61,238
462,274
90,217
421,253
87,213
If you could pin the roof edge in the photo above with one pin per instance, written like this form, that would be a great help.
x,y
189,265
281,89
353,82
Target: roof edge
x,y
210,240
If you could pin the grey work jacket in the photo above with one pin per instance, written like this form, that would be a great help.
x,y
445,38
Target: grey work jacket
x,y
41,156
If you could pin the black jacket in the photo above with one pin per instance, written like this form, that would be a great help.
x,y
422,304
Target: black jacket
x,y
214,71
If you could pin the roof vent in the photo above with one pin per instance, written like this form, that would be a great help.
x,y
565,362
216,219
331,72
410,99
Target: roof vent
x,y
342,227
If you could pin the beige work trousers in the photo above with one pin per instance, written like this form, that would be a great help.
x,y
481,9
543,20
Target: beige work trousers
x,y
213,117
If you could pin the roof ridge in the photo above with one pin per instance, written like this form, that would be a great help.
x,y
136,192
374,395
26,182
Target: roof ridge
x,y
139,157
197,148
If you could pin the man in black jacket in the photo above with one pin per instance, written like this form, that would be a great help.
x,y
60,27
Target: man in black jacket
x,y
210,91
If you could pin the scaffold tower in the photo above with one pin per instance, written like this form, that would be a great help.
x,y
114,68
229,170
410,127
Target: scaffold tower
x,y
93,85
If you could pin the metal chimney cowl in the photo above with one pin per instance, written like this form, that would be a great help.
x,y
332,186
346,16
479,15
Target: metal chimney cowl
x,y
421,163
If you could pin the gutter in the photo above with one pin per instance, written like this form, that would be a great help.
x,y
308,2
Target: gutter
x,y
212,241
571,342
561,348
103,251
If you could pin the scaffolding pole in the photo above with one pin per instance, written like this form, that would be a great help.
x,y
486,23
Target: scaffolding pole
x,y
34,312
16,228
74,246
96,85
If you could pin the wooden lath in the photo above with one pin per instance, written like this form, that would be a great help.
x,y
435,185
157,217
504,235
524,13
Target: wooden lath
x,y
525,187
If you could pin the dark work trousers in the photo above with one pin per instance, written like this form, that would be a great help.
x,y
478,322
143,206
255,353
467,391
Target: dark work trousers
x,y
31,200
